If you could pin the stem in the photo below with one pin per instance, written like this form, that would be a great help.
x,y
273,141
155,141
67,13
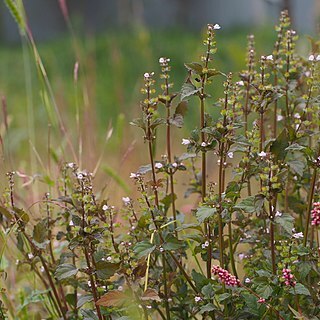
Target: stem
x,y
309,208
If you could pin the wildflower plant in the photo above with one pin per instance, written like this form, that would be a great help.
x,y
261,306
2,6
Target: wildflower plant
x,y
250,247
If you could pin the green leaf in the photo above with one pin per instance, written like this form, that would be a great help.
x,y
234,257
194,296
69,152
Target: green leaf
x,y
208,291
84,299
251,204
142,249
264,291
297,166
195,67
105,269
88,314
5,212
304,268
224,296
138,122
207,308
204,213
286,221
278,147
187,91
295,147
172,243
65,271
40,232
299,288
144,169
22,215
199,279
179,114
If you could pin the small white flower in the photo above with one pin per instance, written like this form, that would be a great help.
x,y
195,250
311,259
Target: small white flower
x,y
318,57
174,164
262,154
109,258
120,288
240,83
126,200
278,213
247,280
162,60
297,235
203,144
30,256
216,26
197,299
297,116
311,57
241,256
185,142
230,154
206,244
17,261
42,269
134,175
89,283
279,117
269,57
149,307
161,249
80,176
71,224
70,165
158,165
105,207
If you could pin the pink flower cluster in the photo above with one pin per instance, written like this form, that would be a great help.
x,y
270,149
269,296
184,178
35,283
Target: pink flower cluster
x,y
315,214
225,276
288,277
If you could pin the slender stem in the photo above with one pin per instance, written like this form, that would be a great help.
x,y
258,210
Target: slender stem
x,y
309,208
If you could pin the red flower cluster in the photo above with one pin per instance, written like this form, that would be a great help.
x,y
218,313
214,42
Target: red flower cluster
x,y
315,217
288,277
225,276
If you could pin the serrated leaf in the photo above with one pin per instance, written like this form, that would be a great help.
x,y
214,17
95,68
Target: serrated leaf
x,y
208,291
204,213
224,296
251,204
105,269
299,288
5,212
142,249
187,91
279,146
40,232
88,314
84,299
138,122
144,169
297,166
65,271
207,308
295,147
112,298
150,294
199,279
172,243
195,67
177,120
286,221
21,214
264,291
